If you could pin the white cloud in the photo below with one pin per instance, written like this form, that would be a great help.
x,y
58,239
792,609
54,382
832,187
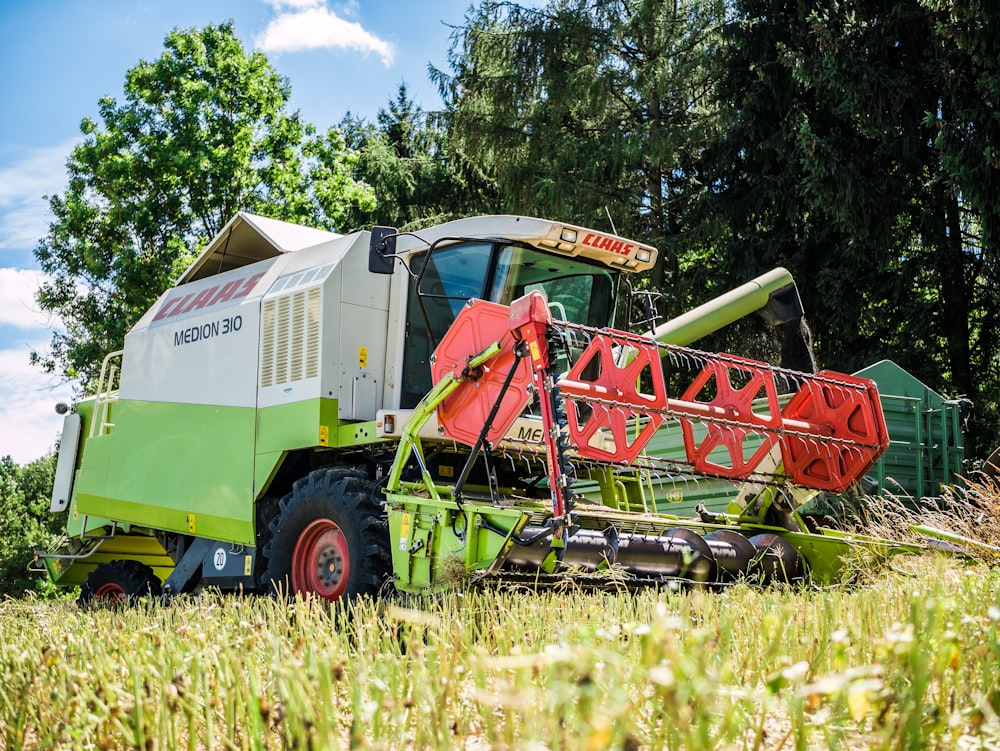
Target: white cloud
x,y
17,299
29,425
24,213
280,5
310,24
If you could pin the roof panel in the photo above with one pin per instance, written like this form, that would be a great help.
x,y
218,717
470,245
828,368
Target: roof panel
x,y
248,238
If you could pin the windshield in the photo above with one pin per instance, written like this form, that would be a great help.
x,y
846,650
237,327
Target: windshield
x,y
577,291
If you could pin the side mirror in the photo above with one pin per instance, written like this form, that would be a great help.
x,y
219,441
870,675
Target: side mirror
x,y
382,250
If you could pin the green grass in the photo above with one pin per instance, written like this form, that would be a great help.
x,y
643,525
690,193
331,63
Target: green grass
x,y
908,662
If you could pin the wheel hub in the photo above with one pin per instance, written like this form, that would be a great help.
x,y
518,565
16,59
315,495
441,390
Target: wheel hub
x,y
321,561
111,593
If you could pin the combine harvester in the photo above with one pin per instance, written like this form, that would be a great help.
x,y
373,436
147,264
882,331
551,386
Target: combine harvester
x,y
318,413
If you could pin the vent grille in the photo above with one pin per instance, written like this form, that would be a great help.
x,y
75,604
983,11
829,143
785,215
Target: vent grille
x,y
312,333
290,346
267,347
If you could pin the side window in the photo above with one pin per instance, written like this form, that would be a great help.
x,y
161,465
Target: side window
x,y
453,275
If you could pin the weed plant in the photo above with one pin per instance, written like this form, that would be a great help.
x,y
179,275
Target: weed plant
x,y
910,662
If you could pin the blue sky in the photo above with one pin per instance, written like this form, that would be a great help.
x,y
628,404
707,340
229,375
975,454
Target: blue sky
x,y
59,57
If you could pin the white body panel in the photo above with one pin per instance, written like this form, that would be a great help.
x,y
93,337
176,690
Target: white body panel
x,y
330,281
69,445
206,342
193,353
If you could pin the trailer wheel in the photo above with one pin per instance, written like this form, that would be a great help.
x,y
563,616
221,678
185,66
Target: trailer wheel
x,y
118,583
329,538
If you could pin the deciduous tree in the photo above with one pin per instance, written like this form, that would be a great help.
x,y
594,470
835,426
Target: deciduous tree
x,y
203,132
25,521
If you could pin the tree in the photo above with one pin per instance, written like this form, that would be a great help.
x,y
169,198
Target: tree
x,y
25,521
829,159
416,177
968,139
203,132
589,109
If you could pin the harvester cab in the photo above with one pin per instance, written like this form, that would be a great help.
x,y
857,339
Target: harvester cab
x,y
318,413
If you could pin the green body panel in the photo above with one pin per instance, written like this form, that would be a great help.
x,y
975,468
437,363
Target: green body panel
x,y
296,425
436,544
142,548
92,477
304,424
176,467
926,444
265,468
357,434
193,469
286,427
77,524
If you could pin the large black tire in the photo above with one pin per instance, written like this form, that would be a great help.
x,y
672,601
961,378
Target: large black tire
x,y
330,538
118,583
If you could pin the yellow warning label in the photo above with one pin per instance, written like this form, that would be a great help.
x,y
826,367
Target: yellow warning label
x,y
446,471
190,522
363,357
247,565
324,435
535,354
405,525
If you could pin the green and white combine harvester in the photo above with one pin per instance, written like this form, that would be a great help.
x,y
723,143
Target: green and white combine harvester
x,y
314,413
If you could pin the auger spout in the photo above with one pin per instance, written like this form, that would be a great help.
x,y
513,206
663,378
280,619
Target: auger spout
x,y
773,293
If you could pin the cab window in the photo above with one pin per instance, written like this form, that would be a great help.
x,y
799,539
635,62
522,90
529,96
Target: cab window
x,y
577,291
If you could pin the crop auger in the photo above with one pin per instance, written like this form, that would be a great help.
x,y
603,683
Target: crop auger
x,y
588,505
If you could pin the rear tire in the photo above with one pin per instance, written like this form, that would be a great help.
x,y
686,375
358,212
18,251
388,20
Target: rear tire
x,y
330,538
118,583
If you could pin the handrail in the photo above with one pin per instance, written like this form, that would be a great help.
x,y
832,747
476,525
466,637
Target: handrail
x,y
106,394
35,567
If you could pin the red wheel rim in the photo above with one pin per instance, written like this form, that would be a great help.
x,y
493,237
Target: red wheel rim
x,y
320,562
110,594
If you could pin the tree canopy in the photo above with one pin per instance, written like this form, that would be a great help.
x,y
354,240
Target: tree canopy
x,y
840,153
591,110
25,521
410,163
856,144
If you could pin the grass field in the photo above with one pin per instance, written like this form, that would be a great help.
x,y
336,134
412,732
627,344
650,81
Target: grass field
x,y
908,659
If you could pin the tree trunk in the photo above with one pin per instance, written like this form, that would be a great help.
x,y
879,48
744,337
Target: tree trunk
x,y
955,296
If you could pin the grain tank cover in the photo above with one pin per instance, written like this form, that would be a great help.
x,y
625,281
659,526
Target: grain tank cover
x,y
248,238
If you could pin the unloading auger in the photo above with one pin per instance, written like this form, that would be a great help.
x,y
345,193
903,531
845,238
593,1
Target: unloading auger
x,y
599,398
